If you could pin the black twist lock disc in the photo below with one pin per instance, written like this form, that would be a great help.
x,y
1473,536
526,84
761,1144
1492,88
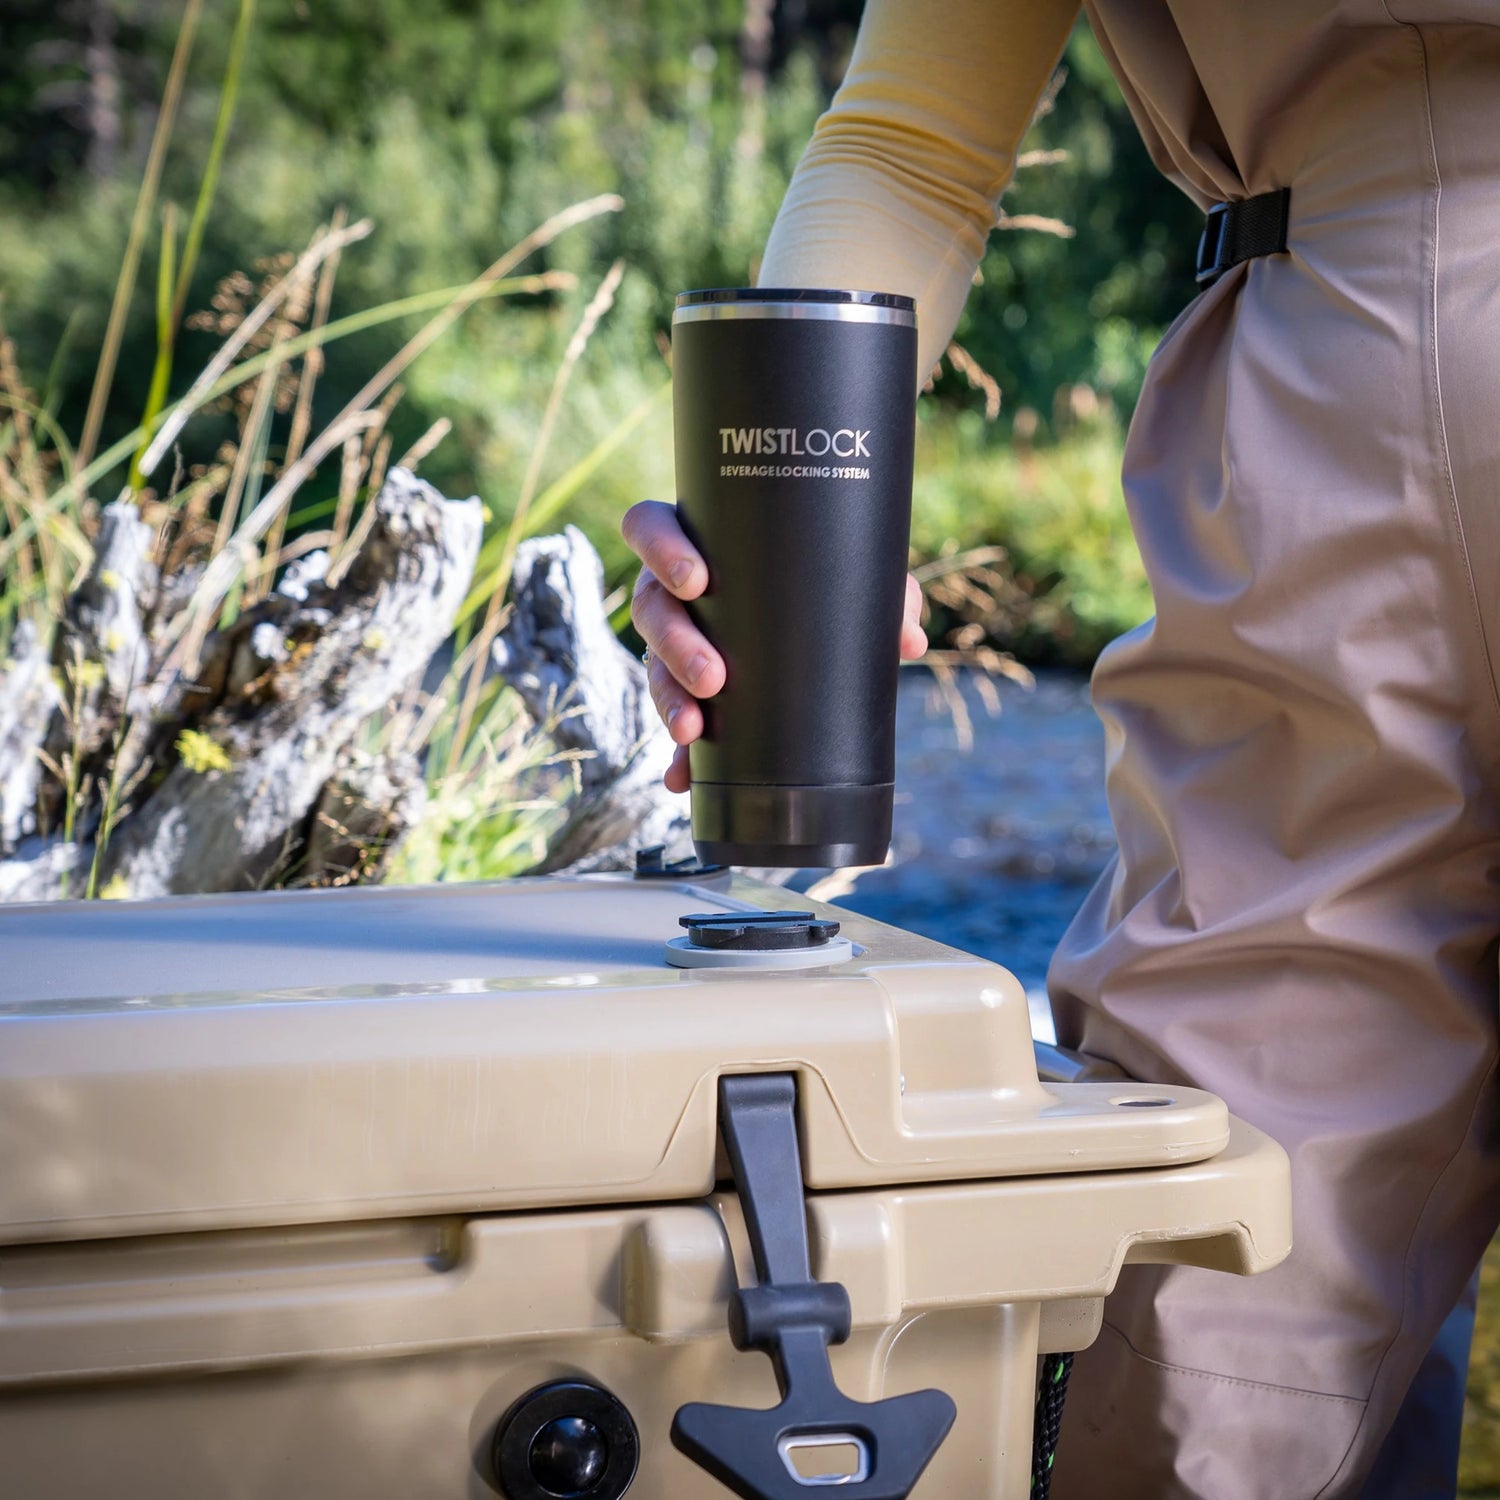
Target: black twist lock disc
x,y
567,1440
758,931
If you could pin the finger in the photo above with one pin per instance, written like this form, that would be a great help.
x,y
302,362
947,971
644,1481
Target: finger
x,y
652,531
913,637
679,777
674,639
678,709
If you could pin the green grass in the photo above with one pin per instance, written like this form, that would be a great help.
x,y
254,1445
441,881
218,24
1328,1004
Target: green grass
x,y
1479,1464
1071,578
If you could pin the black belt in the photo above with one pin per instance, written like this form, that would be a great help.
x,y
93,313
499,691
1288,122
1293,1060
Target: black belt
x,y
1233,232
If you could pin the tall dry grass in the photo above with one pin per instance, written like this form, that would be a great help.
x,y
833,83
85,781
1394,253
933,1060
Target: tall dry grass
x,y
225,529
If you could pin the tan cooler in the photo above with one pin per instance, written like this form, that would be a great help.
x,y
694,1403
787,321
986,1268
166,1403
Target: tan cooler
x,y
458,1191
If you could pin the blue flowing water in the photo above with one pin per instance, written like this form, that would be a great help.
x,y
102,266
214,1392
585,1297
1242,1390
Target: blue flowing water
x,y
995,844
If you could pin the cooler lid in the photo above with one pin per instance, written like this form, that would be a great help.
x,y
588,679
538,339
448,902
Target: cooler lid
x,y
294,1057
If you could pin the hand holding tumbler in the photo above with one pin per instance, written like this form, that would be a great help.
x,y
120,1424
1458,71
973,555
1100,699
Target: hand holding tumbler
x,y
794,416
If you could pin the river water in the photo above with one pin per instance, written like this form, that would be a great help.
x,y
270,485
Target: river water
x,y
1000,833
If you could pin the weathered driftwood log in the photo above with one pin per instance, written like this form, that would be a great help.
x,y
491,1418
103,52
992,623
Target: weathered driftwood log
x,y
44,869
246,773
365,809
291,682
102,621
561,656
101,657
28,698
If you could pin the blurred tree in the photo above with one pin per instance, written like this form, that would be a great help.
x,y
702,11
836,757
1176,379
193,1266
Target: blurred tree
x,y
336,64
458,124
74,76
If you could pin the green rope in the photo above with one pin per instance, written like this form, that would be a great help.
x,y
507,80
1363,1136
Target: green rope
x,y
1051,1391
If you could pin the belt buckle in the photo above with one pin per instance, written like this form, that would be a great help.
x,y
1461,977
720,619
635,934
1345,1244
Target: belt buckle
x,y
1210,244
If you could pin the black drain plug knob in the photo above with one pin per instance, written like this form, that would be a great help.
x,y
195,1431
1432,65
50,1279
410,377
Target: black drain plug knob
x,y
568,1457
567,1440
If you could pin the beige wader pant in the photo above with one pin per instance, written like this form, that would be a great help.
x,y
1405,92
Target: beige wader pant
x,y
1304,745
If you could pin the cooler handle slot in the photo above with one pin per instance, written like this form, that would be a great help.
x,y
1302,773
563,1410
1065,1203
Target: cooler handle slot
x,y
794,1319
826,1473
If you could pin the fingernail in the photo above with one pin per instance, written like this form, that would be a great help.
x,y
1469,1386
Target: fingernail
x,y
696,668
672,717
679,573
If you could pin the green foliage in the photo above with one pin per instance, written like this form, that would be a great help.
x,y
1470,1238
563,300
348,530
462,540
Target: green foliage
x,y
1057,512
1479,1463
330,64
201,753
1054,312
458,126
472,829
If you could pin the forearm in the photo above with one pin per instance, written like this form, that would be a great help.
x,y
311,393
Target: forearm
x,y
897,191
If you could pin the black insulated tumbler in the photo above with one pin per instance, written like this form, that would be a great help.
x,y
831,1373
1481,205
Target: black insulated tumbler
x,y
794,415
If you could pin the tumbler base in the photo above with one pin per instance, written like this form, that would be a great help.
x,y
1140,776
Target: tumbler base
x,y
805,827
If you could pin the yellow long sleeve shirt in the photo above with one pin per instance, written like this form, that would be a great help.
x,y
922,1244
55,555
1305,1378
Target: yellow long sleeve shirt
x,y
899,188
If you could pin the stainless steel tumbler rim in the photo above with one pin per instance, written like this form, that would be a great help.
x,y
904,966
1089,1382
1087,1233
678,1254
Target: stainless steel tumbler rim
x,y
786,303
795,311
793,294
812,312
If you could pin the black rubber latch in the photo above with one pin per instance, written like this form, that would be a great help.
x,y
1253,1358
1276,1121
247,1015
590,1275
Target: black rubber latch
x,y
794,1319
761,930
